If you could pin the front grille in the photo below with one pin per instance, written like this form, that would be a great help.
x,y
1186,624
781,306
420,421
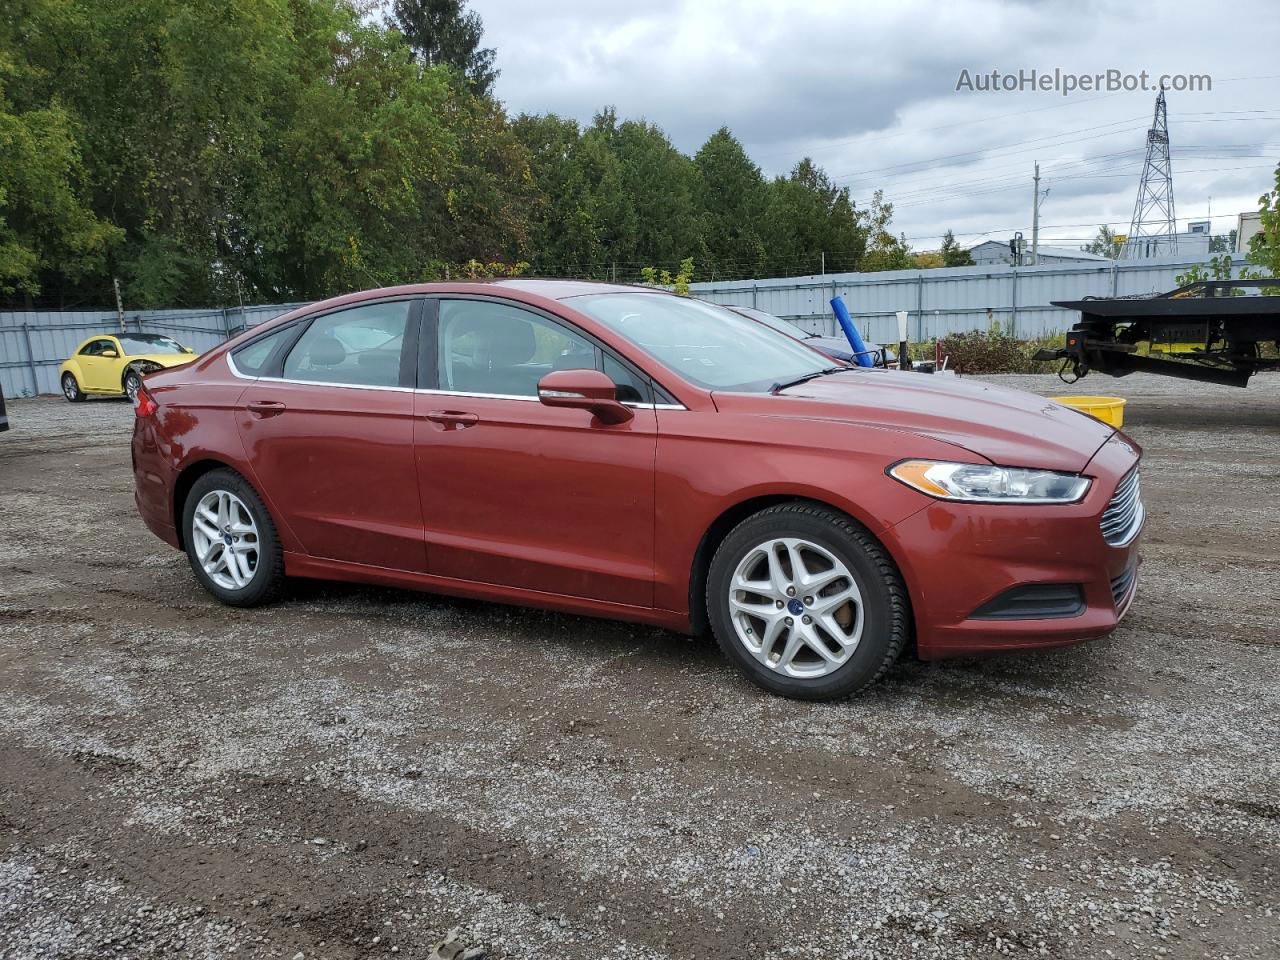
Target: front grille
x,y
1123,517
1121,584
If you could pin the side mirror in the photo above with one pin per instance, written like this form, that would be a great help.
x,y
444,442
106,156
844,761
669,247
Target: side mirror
x,y
584,390
113,354
188,350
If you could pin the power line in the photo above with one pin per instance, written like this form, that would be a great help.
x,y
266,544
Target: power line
x,y
963,123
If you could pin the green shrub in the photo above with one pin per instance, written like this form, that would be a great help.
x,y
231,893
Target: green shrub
x,y
991,351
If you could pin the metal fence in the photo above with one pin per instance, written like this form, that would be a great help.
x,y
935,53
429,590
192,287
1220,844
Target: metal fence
x,y
939,302
34,343
952,299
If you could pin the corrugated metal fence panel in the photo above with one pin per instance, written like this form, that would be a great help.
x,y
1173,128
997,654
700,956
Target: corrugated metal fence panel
x,y
33,344
938,302
950,300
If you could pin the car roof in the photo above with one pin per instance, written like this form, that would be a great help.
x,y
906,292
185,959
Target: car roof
x,y
563,289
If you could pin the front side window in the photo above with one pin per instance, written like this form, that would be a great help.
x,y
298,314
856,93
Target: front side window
x,y
141,344
497,348
252,358
94,348
361,346
708,345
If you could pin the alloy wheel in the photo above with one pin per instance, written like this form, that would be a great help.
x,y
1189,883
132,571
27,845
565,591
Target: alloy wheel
x,y
131,384
796,608
225,537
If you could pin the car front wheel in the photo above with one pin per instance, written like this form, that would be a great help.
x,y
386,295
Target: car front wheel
x,y
132,384
231,540
71,389
806,603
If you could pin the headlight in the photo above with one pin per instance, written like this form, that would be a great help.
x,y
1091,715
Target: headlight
x,y
985,483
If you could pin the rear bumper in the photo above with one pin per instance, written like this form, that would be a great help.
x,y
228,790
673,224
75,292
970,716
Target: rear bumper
x,y
152,484
959,557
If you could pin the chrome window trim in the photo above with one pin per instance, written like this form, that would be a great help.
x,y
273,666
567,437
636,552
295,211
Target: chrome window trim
x,y
516,396
235,371
313,383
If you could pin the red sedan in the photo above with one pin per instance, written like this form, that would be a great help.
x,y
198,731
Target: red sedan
x,y
623,452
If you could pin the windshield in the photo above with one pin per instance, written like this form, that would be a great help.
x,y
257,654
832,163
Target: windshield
x,y
708,345
782,326
137,344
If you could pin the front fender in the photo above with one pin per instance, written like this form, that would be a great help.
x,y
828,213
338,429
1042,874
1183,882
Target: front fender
x,y
839,464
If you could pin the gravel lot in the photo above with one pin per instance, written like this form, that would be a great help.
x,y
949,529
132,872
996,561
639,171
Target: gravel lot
x,y
355,771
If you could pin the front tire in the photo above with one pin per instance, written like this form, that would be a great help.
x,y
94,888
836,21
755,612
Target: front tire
x,y
231,540
132,384
71,389
805,602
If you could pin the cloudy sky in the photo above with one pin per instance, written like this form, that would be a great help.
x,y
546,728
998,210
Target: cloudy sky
x,y
868,90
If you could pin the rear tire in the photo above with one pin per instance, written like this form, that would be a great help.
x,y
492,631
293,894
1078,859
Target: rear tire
x,y
231,540
71,389
805,602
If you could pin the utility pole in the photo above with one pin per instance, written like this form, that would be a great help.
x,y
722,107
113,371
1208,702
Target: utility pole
x,y
1035,218
115,281
824,263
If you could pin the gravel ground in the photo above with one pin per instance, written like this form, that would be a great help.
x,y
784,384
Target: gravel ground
x,y
355,771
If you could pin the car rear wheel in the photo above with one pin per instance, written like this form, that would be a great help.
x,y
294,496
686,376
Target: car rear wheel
x,y
132,384
806,603
231,541
71,389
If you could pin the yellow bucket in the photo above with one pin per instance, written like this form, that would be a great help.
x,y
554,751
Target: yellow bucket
x,y
1107,409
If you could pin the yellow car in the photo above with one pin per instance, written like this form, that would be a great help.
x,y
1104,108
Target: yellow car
x,y
114,364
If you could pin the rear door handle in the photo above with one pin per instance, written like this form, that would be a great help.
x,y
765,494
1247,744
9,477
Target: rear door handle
x,y
266,408
452,419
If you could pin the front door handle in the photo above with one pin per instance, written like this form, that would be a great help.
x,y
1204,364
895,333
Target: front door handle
x,y
266,408
452,419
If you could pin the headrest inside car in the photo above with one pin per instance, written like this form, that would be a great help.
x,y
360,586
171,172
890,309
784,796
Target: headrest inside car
x,y
327,352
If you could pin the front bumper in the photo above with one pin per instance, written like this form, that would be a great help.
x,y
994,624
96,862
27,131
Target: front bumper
x,y
957,557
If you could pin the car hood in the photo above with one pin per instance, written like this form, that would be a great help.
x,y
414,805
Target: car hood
x,y
1008,427
164,359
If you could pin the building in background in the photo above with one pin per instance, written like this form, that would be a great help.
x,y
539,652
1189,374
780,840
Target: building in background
x,y
1000,252
1248,225
1190,243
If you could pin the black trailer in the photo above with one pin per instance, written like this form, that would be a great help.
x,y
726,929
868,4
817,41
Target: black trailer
x,y
1214,330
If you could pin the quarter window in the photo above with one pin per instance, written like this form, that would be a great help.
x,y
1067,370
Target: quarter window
x,y
361,346
487,347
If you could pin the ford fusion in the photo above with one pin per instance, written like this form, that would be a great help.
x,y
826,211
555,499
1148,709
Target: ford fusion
x,y
623,452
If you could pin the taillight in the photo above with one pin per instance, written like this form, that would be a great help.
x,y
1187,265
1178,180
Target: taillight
x,y
144,405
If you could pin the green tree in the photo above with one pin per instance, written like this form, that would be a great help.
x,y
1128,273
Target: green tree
x,y
1264,246
1105,244
1223,243
884,250
730,192
810,223
954,255
45,226
442,33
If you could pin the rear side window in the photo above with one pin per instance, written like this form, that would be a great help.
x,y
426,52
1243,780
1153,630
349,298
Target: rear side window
x,y
94,348
252,358
361,347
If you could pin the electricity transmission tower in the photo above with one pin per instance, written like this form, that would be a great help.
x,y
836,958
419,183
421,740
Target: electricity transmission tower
x,y
1154,230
